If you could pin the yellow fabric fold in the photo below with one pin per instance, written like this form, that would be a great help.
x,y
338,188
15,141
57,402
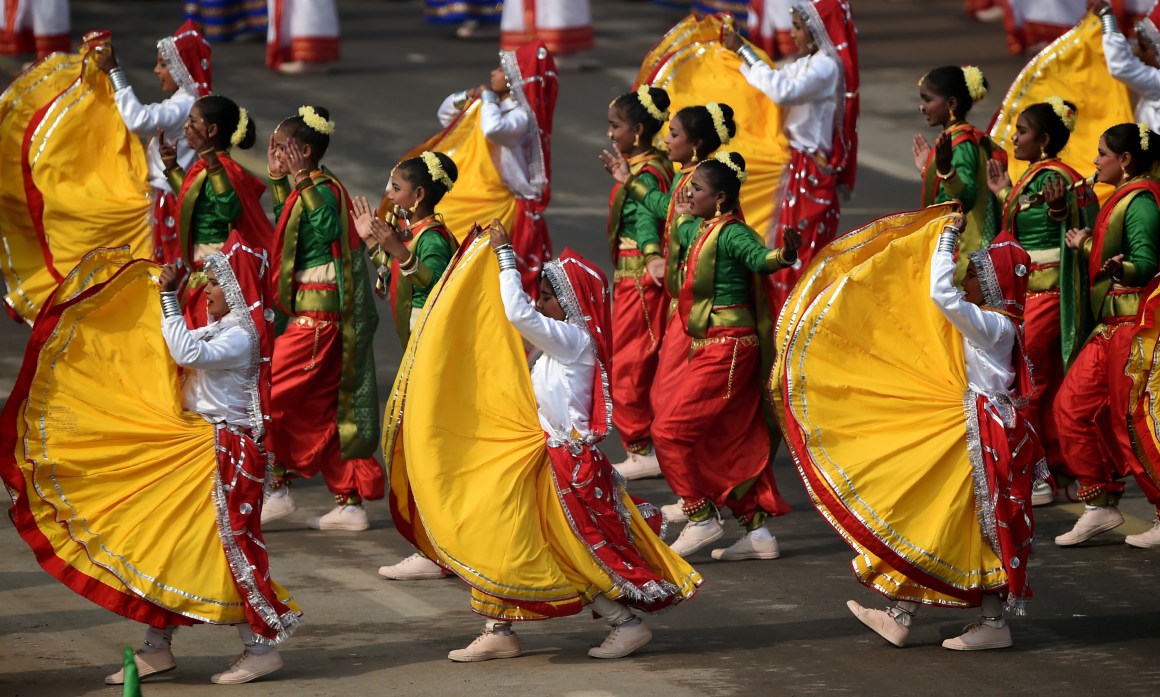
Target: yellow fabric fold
x,y
692,65
1072,67
94,190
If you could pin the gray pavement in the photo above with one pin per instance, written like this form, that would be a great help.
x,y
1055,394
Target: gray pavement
x,y
777,627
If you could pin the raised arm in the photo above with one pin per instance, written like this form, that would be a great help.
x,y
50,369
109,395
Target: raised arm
x,y
982,328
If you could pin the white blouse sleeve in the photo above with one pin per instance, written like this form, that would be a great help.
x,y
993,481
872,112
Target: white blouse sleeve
x,y
560,340
226,351
980,327
448,111
145,119
505,128
810,79
1142,79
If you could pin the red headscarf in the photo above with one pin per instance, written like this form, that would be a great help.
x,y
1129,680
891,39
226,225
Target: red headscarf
x,y
531,74
243,273
186,53
582,289
832,26
1004,270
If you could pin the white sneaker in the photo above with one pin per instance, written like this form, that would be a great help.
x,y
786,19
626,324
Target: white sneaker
x,y
148,664
991,14
623,640
248,667
675,512
694,536
353,518
980,636
303,68
1146,540
278,507
1091,523
637,466
1042,493
748,548
488,647
883,624
414,568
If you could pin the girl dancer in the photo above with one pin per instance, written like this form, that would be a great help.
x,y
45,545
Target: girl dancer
x,y
150,507
543,527
325,403
714,445
1049,199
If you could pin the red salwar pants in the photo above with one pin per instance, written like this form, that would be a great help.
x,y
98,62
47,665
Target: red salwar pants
x,y
711,438
809,203
1041,333
1091,411
307,368
639,307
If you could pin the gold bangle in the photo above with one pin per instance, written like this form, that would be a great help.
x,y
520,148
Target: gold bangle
x,y
948,176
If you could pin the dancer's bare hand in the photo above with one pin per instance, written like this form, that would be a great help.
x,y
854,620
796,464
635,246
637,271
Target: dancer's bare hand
x,y
997,177
167,279
791,241
1076,237
497,233
921,150
615,164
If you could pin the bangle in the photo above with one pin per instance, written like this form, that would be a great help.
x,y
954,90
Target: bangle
x,y
117,77
749,55
169,305
459,99
1108,20
948,176
506,257
1057,215
489,97
299,172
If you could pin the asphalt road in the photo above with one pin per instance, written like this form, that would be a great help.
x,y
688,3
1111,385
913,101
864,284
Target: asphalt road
x,y
760,627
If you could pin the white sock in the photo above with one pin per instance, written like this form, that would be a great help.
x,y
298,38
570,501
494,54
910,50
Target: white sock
x,y
762,533
611,611
498,627
280,492
158,640
251,641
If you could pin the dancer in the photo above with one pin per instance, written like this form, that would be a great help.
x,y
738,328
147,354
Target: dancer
x,y
932,493
771,27
501,136
1049,199
33,27
565,27
639,302
695,133
303,36
184,70
1139,70
956,167
163,531
411,258
543,526
820,91
714,446
410,263
215,196
1117,258
324,408
1031,24
1144,369
228,20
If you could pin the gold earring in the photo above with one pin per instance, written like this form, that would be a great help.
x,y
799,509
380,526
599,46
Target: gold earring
x,y
694,155
636,141
718,214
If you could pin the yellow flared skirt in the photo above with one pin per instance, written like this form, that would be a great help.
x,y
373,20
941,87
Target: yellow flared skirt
x,y
75,178
470,475
871,380
115,481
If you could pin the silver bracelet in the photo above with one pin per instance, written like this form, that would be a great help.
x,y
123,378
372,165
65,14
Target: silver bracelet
x,y
489,97
948,240
117,77
459,99
1108,19
506,257
749,55
169,305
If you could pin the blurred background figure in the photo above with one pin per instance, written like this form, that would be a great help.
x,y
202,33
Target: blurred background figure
x,y
476,18
303,36
228,20
37,27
